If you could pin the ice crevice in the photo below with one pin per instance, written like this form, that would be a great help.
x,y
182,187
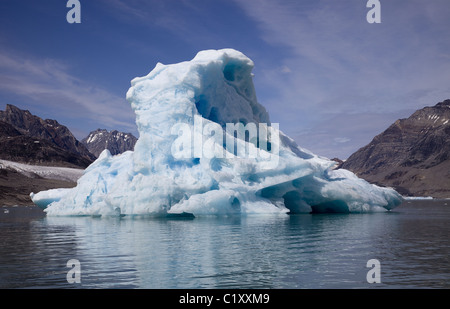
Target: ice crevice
x,y
181,106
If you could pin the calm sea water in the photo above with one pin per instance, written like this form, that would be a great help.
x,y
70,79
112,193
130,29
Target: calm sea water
x,y
300,251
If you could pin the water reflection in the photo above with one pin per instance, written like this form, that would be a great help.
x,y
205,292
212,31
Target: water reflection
x,y
298,251
32,253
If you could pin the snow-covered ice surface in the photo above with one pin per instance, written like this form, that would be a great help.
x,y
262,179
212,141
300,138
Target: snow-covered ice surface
x,y
413,198
49,172
183,161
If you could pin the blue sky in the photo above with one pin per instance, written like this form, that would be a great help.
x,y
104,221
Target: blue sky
x,y
328,77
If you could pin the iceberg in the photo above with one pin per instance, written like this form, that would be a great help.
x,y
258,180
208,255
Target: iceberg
x,y
207,147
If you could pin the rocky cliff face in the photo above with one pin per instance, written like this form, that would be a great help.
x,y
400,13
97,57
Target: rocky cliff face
x,y
28,138
116,142
412,155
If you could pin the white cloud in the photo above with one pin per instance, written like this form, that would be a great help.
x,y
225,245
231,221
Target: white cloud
x,y
342,140
184,19
285,69
49,83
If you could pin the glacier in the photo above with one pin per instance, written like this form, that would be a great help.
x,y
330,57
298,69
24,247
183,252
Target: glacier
x,y
183,161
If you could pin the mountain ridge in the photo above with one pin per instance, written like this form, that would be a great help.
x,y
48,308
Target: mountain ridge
x,y
116,142
44,146
53,142
412,155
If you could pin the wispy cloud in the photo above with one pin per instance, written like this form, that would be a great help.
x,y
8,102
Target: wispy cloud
x,y
341,65
186,20
49,84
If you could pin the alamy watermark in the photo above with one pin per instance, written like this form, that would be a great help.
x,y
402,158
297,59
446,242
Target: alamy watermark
x,y
74,14
374,14
374,274
207,139
74,274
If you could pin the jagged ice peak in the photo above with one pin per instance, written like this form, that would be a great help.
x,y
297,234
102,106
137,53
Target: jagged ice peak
x,y
207,147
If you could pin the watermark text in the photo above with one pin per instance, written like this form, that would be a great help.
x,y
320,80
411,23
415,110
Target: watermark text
x,y
374,14
74,14
74,274
206,139
374,274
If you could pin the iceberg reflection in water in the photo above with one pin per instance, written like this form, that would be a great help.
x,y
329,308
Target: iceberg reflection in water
x,y
258,251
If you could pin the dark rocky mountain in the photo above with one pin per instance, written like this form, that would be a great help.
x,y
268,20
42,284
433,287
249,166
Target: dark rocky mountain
x,y
29,139
412,155
116,142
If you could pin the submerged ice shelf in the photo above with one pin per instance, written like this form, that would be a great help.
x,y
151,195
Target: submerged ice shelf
x,y
188,160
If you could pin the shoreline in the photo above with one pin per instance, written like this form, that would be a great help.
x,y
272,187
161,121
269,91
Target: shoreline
x,y
21,212
406,199
27,212
15,188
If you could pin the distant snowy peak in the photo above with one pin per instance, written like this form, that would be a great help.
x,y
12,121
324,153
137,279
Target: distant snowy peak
x,y
116,142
